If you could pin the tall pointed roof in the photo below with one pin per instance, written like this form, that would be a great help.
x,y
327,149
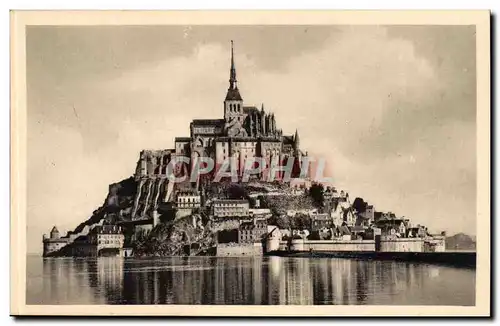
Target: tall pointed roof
x,y
54,229
233,94
232,72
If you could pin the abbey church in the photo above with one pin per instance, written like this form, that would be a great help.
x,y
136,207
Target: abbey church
x,y
244,132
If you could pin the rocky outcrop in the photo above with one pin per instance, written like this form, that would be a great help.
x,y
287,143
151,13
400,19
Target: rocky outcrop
x,y
117,205
171,239
460,241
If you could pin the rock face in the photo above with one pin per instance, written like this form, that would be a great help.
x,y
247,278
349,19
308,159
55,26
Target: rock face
x,y
460,241
117,205
127,200
148,195
179,237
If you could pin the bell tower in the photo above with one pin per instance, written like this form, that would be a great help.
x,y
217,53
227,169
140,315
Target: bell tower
x,y
233,104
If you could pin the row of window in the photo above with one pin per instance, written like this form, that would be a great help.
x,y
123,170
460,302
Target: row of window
x,y
229,205
110,236
237,152
188,199
231,209
192,205
109,241
234,107
229,213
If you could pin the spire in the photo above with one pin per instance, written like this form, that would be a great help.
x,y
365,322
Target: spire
x,y
232,73
232,91
296,139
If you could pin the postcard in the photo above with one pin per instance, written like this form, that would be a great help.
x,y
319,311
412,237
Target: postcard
x,y
250,163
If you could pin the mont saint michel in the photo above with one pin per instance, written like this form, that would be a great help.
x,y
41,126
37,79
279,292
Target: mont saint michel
x,y
228,202
235,187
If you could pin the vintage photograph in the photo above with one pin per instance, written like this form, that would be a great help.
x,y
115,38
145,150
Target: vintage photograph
x,y
328,164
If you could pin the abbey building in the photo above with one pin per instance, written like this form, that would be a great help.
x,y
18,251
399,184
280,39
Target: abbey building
x,y
243,133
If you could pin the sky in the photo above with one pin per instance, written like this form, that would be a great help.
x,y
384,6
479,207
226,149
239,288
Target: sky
x,y
391,108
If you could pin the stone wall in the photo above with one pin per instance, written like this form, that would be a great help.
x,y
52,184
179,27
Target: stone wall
x,y
402,245
251,249
50,247
328,245
153,163
393,245
273,244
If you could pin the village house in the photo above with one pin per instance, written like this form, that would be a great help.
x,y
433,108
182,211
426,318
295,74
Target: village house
x,y
81,247
230,207
106,239
259,212
251,232
188,200
418,231
367,217
320,221
393,226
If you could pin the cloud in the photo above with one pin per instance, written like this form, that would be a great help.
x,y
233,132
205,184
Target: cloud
x,y
376,105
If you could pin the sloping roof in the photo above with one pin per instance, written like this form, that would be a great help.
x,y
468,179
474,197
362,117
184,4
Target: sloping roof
x,y
233,95
250,109
288,140
54,229
208,122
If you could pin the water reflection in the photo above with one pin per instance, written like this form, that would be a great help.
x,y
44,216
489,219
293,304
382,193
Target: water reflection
x,y
250,280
